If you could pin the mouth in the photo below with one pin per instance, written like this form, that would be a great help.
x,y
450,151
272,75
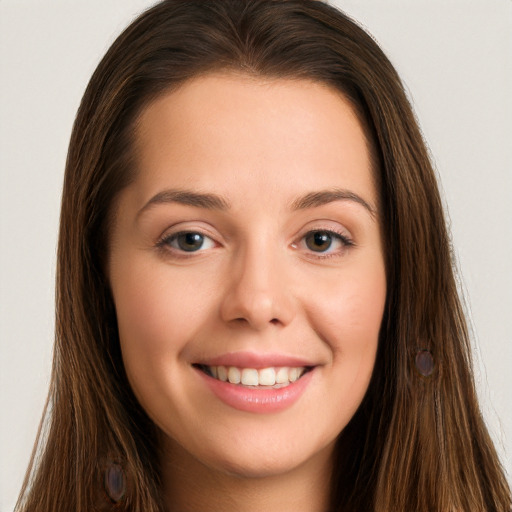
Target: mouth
x,y
253,378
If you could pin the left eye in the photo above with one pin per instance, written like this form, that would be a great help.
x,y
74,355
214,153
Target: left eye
x,y
325,241
189,241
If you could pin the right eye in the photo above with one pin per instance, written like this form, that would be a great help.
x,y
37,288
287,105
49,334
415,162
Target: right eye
x,y
188,241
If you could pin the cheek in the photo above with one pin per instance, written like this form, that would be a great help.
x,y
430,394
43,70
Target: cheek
x,y
347,310
157,313
347,314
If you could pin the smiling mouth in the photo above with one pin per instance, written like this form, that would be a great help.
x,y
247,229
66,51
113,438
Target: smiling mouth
x,y
264,378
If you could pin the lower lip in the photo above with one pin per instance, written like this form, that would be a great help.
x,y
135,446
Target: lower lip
x,y
257,400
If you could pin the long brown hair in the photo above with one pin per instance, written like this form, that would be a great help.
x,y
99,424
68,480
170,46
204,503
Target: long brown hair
x,y
416,443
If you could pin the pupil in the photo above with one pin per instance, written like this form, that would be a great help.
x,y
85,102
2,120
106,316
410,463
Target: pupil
x,y
319,241
190,241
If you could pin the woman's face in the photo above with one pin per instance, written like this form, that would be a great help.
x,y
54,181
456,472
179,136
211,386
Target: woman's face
x,y
248,248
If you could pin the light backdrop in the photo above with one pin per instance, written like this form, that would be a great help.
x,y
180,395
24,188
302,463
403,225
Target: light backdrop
x,y
455,58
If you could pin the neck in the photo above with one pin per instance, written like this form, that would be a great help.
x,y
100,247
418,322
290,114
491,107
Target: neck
x,y
190,486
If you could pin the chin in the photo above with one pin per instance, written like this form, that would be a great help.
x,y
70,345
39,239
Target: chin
x,y
264,459
263,467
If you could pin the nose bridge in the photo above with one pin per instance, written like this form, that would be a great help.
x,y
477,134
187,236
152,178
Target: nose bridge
x,y
257,293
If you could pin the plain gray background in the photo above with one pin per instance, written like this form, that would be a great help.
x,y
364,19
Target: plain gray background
x,y
455,57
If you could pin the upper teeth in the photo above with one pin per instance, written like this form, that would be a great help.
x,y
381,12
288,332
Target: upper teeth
x,y
253,377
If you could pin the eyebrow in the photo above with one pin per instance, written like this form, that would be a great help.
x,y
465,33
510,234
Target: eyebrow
x,y
188,198
322,197
214,202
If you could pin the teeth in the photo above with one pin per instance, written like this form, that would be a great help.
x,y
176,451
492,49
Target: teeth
x,y
250,377
234,375
281,376
222,373
267,377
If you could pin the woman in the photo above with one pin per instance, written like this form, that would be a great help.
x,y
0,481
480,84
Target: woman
x,y
256,304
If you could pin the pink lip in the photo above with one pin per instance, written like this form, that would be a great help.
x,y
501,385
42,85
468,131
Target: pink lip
x,y
257,400
255,360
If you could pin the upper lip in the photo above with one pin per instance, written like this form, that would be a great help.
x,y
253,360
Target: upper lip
x,y
256,360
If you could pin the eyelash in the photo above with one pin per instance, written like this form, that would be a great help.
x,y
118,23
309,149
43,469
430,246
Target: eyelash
x,y
345,241
164,243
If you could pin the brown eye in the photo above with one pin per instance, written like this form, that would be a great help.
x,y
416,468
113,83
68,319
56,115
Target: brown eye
x,y
325,243
189,241
319,241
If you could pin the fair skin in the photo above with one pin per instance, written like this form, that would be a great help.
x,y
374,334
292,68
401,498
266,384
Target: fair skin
x,y
280,273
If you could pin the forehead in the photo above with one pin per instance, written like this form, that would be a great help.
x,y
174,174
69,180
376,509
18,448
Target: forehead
x,y
228,132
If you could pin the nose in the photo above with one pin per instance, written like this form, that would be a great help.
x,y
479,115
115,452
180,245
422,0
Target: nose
x,y
258,293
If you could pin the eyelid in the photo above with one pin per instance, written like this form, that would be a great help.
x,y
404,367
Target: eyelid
x,y
176,236
188,226
342,235
170,234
